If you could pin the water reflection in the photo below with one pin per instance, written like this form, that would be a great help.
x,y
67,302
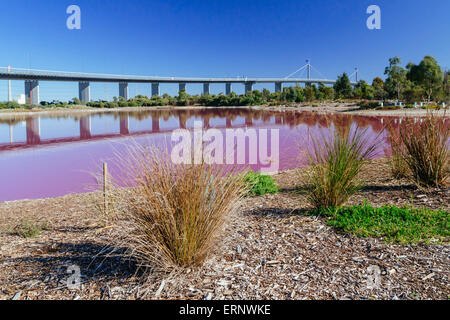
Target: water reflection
x,y
163,121
53,155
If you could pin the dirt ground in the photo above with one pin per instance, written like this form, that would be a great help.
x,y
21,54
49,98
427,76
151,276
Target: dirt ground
x,y
270,250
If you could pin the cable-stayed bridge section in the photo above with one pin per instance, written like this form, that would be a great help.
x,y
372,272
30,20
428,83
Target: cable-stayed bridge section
x,y
32,78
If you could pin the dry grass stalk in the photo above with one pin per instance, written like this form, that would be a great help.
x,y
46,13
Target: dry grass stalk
x,y
171,215
397,163
426,149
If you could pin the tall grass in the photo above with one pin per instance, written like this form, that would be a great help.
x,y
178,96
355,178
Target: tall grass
x,y
173,214
335,162
397,163
426,149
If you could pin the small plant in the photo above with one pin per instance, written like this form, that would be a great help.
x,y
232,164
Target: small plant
x,y
334,165
27,228
426,150
173,214
403,225
259,184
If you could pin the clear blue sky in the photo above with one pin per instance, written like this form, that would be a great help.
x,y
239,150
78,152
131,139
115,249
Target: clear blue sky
x,y
216,38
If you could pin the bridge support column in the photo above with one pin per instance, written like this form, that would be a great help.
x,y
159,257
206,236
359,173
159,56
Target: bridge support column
x,y
248,87
123,90
278,86
85,127
228,88
32,92
124,123
155,89
84,91
181,87
33,130
206,89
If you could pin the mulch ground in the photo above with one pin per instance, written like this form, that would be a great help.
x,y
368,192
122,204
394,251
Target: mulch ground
x,y
270,250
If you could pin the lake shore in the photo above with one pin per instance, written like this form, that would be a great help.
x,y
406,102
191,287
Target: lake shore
x,y
336,108
271,249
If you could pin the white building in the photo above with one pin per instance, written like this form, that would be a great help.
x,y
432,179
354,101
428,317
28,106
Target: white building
x,y
20,99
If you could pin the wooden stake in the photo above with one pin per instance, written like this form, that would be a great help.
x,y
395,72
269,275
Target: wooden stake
x,y
105,186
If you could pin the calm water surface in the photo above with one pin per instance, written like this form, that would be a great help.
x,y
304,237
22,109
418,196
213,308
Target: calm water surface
x,y
47,156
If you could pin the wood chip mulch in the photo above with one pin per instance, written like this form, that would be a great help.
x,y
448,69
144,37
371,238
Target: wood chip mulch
x,y
270,250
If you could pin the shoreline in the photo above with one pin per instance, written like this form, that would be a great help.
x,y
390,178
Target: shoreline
x,y
333,108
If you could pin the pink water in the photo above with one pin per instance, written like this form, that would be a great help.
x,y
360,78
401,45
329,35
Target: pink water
x,y
47,156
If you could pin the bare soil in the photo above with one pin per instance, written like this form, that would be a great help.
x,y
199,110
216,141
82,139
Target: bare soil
x,y
270,250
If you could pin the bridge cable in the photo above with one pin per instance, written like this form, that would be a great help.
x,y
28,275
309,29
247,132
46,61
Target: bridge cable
x,y
296,71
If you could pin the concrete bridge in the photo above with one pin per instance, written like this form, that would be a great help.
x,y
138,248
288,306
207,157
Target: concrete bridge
x,y
32,78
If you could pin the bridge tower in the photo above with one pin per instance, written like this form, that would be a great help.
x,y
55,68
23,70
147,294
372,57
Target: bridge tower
x,y
308,65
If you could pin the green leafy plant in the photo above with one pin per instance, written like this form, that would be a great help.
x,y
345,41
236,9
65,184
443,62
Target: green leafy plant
x,y
403,225
260,184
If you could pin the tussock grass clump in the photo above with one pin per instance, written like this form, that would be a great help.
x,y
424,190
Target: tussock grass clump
x,y
173,213
426,150
335,162
399,167
403,225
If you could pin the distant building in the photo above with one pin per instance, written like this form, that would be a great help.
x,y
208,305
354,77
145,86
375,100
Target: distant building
x,y
20,99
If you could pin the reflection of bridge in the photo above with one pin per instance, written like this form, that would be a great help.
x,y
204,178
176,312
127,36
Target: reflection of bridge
x,y
33,130
32,78
247,118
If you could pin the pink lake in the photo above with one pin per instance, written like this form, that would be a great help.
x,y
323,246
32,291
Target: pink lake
x,y
48,156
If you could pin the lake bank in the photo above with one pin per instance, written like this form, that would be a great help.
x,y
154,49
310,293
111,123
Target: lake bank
x,y
340,108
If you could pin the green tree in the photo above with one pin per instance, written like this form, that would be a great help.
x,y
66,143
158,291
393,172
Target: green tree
x,y
396,80
427,74
343,87
363,90
378,87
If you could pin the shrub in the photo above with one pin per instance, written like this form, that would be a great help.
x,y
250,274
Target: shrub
x,y
259,184
172,214
404,225
426,148
334,165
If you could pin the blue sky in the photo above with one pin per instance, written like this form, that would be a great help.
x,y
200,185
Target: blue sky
x,y
264,38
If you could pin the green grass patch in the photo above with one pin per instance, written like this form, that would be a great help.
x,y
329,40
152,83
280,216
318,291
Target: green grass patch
x,y
402,225
27,228
260,184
